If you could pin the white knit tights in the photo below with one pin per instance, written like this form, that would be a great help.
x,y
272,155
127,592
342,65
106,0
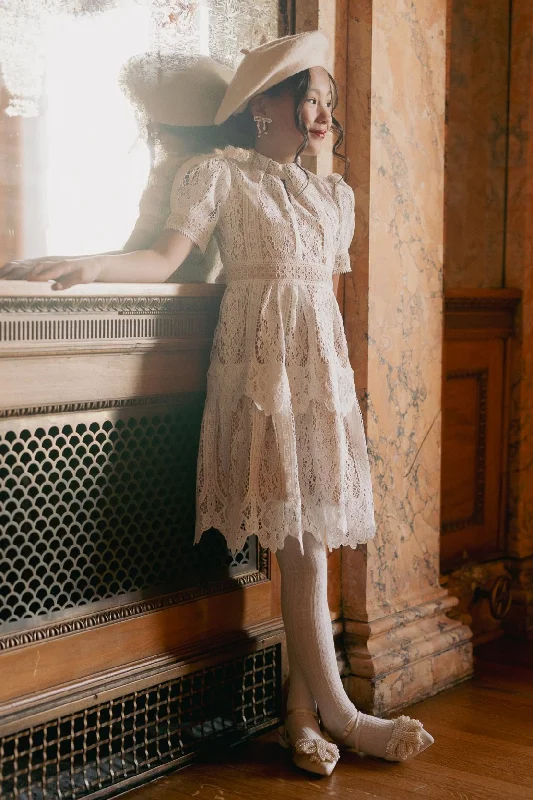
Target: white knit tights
x,y
314,673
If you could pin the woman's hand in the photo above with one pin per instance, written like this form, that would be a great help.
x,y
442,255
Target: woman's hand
x,y
20,270
65,272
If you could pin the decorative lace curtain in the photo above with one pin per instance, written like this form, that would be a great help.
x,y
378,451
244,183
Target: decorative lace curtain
x,y
219,28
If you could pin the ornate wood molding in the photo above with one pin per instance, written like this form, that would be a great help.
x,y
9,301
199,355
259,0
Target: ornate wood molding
x,y
49,321
480,302
92,405
106,305
480,313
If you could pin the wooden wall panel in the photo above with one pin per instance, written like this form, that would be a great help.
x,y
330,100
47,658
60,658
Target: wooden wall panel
x,y
479,326
472,449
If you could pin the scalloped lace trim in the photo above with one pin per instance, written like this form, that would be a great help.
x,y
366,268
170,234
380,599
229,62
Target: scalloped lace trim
x,y
345,531
282,474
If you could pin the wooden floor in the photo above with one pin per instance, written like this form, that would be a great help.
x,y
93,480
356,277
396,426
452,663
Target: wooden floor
x,y
483,750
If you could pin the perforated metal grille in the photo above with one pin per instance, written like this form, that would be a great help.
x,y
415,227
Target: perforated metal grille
x,y
98,509
109,743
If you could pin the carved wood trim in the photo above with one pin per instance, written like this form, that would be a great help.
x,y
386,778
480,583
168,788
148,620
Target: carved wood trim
x,y
480,313
478,513
110,615
90,405
106,305
28,324
83,329
72,696
462,302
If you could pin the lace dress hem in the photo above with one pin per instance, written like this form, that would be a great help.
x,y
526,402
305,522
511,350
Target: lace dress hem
x,y
282,474
272,539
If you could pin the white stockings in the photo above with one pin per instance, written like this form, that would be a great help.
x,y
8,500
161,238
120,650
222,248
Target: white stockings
x,y
304,604
314,673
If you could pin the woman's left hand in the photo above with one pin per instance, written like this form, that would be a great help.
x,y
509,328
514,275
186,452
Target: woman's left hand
x,y
66,272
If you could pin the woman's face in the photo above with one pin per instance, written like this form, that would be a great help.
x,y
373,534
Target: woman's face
x,y
316,114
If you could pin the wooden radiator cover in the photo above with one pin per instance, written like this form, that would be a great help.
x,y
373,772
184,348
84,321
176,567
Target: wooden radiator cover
x,y
123,648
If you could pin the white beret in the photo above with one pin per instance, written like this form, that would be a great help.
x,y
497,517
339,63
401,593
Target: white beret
x,y
271,63
174,89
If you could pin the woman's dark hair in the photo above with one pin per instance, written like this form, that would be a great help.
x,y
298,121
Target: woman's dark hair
x,y
240,129
201,138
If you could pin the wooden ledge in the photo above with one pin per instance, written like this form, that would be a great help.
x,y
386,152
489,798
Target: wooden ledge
x,y
480,313
42,289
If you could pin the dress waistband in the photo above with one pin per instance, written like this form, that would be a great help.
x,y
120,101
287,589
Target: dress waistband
x,y
279,271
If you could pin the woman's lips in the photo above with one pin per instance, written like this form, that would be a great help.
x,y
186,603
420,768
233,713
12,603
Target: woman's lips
x,y
319,134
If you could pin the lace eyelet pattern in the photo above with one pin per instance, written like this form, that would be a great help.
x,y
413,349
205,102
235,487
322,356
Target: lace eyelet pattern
x,y
282,447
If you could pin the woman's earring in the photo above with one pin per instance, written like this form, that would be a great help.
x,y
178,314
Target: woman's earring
x,y
262,124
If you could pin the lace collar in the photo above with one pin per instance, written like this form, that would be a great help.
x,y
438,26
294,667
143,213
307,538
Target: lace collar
x,y
291,173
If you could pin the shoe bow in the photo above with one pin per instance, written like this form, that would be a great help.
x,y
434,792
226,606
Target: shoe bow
x,y
406,739
318,749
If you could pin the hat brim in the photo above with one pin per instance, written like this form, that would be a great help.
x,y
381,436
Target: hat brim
x,y
270,64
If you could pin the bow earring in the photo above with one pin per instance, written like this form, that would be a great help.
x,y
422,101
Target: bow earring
x,y
262,124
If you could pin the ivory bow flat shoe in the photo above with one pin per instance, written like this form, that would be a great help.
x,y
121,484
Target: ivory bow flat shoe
x,y
319,756
407,740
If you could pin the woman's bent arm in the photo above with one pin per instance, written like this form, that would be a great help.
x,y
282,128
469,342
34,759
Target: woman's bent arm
x,y
155,265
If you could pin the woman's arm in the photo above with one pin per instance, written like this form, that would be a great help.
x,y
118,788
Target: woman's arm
x,y
139,240
198,192
155,265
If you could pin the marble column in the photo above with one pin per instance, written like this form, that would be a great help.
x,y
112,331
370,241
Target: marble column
x,y
519,274
401,645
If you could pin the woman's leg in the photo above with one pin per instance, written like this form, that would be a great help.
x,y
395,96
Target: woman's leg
x,y
308,627
300,695
300,725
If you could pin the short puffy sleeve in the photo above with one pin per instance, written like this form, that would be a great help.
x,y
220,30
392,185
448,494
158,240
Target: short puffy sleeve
x,y
198,192
344,197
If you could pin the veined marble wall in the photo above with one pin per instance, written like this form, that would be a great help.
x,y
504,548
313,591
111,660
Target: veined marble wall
x,y
402,196
476,123
401,644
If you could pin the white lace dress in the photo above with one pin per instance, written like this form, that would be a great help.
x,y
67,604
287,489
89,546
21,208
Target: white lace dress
x,y
282,447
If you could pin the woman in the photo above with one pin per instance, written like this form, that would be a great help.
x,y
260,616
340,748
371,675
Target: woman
x,y
282,452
